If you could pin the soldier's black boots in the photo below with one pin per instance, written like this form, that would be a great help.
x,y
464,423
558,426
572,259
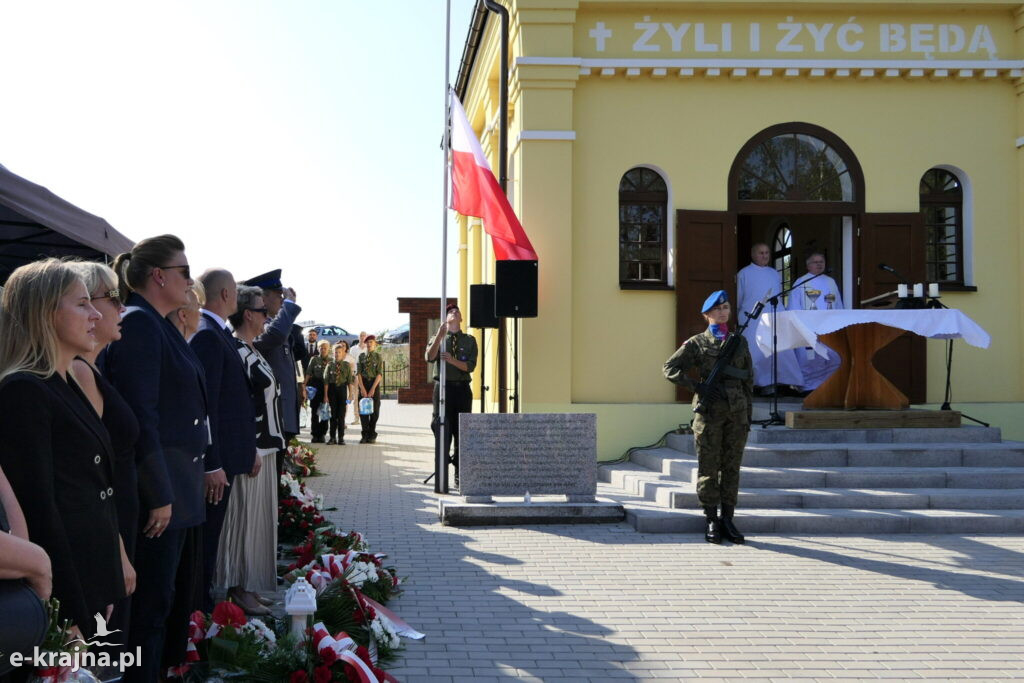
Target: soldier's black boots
x,y
728,529
712,529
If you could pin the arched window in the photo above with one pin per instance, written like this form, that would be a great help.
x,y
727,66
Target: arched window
x,y
796,168
942,207
643,227
782,254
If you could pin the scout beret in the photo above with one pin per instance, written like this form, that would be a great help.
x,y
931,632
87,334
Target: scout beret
x,y
370,338
449,307
715,299
270,280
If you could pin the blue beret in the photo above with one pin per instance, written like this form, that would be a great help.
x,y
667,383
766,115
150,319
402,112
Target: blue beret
x,y
271,280
715,299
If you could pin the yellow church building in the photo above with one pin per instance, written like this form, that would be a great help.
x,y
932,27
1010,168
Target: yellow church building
x,y
651,144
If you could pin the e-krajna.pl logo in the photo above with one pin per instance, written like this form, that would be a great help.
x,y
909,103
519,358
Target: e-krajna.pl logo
x,y
81,658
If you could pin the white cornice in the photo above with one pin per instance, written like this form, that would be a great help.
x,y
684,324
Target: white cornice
x,y
543,135
738,68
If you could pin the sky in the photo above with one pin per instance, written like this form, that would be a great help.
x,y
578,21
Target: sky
x,y
294,134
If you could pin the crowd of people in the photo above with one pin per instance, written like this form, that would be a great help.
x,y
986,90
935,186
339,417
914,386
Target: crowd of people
x,y
146,417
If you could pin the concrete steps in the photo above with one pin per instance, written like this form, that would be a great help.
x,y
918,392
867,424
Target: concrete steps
x,y
837,482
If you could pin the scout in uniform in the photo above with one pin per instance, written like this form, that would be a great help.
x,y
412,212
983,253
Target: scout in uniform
x,y
369,375
337,377
720,433
461,356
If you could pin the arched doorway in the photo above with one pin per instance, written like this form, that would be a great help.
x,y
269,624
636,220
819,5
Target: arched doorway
x,y
807,179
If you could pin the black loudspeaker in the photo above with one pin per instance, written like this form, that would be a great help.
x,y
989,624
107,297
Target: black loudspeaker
x,y
516,289
481,306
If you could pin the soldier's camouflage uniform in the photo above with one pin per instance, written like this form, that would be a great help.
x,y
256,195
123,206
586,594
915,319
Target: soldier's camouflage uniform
x,y
721,433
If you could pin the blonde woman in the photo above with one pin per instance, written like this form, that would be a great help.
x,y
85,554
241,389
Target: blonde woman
x,y
116,415
53,448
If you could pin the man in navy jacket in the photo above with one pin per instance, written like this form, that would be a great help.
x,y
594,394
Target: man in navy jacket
x,y
232,450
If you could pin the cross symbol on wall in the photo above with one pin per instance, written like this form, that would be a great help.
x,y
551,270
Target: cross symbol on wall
x,y
600,34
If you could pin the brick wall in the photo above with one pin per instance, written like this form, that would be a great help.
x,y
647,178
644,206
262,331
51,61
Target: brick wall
x,y
420,310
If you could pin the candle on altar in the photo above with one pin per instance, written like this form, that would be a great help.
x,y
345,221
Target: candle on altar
x,y
918,290
933,290
901,291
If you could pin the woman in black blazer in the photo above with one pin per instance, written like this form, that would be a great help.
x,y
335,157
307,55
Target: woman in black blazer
x,y
162,380
53,447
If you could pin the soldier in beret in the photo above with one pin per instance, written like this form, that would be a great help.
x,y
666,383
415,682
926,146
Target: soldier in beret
x,y
720,433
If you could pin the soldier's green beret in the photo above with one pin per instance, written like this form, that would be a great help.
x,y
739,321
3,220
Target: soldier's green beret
x,y
714,299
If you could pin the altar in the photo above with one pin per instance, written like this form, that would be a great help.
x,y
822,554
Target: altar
x,y
856,335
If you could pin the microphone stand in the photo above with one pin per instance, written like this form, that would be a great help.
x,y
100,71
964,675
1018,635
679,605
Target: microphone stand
x,y
773,417
948,396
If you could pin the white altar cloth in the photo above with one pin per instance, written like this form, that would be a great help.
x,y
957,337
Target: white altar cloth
x,y
801,328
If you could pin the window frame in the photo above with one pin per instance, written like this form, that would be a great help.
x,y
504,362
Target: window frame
x,y
939,199
784,207
641,198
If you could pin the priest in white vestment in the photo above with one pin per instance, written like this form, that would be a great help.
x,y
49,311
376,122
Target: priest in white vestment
x,y
754,283
821,293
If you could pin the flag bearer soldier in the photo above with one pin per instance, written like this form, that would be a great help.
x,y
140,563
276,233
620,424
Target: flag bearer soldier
x,y
720,432
460,355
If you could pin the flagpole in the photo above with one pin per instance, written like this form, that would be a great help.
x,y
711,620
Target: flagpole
x,y
440,464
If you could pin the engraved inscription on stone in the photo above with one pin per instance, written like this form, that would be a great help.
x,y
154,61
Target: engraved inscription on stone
x,y
510,454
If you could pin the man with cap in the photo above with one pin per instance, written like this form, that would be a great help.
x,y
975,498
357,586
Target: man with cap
x,y
369,376
276,347
460,355
720,433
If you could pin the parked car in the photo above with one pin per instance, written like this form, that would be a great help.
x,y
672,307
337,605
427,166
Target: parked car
x,y
331,333
399,335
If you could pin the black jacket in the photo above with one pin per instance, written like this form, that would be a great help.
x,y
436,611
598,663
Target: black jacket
x,y
232,420
162,380
57,455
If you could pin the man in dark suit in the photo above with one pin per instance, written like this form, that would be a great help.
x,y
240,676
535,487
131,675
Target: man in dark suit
x,y
232,420
275,345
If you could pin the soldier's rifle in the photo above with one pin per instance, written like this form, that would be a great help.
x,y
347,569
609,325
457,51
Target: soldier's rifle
x,y
732,343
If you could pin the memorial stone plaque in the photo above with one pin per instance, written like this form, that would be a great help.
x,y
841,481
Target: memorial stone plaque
x,y
543,453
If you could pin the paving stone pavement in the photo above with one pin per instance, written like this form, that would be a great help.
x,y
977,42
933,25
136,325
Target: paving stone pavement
x,y
602,602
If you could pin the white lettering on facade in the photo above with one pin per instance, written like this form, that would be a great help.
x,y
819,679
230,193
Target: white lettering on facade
x,y
792,36
843,36
600,34
649,28
792,30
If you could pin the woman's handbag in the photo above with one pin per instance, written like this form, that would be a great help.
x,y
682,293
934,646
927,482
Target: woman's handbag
x,y
24,621
366,406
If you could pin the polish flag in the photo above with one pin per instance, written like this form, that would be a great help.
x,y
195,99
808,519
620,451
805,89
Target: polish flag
x,y
475,192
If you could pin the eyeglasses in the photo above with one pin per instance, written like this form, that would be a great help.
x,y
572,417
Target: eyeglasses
x,y
185,270
113,294
258,310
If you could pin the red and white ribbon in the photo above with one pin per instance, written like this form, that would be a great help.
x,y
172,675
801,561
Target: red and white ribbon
x,y
401,627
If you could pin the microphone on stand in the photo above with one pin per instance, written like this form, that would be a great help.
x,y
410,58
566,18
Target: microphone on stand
x,y
890,269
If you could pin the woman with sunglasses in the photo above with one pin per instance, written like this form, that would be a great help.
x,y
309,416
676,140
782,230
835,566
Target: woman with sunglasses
x,y
248,541
117,417
162,380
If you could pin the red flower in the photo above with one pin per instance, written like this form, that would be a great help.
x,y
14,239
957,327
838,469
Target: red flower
x,y
304,524
228,614
328,656
322,674
298,677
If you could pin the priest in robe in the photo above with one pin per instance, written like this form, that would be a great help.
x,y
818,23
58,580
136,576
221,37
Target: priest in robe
x,y
820,293
755,282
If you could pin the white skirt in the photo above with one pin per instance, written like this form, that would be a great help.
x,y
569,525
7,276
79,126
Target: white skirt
x,y
247,552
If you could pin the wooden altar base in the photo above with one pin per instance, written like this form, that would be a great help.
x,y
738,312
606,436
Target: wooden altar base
x,y
872,419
